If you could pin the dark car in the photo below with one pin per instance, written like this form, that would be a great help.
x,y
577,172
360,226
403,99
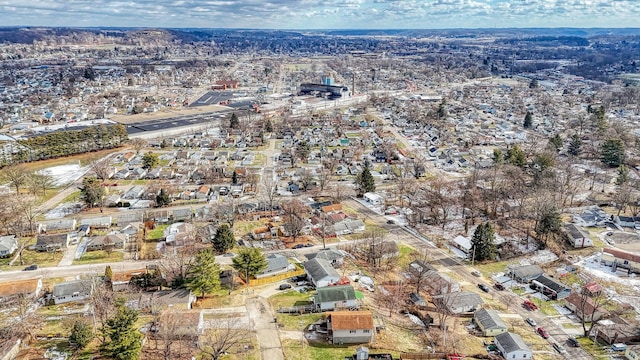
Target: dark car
x,y
299,246
499,286
31,267
483,287
543,332
309,245
284,286
573,342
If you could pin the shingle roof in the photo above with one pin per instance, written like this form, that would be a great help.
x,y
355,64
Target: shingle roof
x,y
335,293
351,320
489,319
11,288
319,269
527,271
511,342
276,262
68,288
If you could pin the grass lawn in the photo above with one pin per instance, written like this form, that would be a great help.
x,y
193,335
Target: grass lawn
x,y
100,256
289,298
491,268
241,228
157,233
296,350
595,349
297,322
259,160
42,259
73,197
546,307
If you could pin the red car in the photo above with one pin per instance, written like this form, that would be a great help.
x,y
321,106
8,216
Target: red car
x,y
530,305
543,332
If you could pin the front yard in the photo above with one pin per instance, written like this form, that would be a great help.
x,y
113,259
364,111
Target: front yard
x,y
100,256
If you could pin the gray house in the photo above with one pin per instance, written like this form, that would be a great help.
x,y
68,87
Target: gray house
x,y
526,273
460,302
52,242
577,238
332,297
276,264
321,273
334,257
8,245
71,291
350,327
512,346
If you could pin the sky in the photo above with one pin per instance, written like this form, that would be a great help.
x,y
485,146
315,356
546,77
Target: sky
x,y
322,14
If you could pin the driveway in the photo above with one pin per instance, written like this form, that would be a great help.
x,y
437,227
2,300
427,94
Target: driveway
x,y
268,336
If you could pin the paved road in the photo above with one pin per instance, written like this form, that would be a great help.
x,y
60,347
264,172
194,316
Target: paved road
x,y
262,316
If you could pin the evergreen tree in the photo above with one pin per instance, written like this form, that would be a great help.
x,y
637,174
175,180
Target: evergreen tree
x,y
123,339
234,177
249,261
498,156
484,247
203,276
150,160
92,191
623,175
268,126
234,122
515,156
556,142
548,223
224,239
575,145
162,199
533,84
528,120
108,273
613,152
364,181
81,334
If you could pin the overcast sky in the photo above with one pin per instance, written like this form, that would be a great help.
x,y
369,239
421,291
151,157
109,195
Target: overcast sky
x,y
323,14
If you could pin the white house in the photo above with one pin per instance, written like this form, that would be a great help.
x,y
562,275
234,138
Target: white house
x,y
373,198
334,297
71,291
321,273
8,245
350,327
577,238
512,346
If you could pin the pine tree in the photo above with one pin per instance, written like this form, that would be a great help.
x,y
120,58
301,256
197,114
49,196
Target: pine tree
x,y
528,120
162,199
203,276
556,142
574,145
515,156
365,182
623,175
150,160
123,339
249,261
224,239
268,126
108,273
484,247
548,223
234,122
613,152
234,177
81,334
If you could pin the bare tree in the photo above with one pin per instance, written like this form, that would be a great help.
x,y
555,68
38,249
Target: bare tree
x,y
22,320
225,334
25,206
589,305
139,144
176,265
102,168
167,329
103,305
295,217
269,189
39,182
418,270
16,176
443,304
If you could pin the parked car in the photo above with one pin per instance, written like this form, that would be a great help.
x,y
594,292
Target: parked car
x,y
573,342
483,287
309,245
531,322
298,246
476,273
559,348
284,286
543,332
31,267
530,305
499,286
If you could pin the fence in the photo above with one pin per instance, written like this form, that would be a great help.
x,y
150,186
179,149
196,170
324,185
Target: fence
x,y
276,278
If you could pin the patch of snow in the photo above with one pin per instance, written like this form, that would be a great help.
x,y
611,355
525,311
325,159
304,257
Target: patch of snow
x,y
64,174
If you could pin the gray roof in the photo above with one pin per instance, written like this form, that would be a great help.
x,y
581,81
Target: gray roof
x,y
327,254
511,342
335,293
573,231
319,269
70,287
460,299
7,242
527,271
53,239
276,262
489,319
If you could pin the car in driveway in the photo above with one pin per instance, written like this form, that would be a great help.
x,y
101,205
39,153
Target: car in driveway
x,y
284,286
499,286
298,246
483,287
31,267
543,332
531,322
573,342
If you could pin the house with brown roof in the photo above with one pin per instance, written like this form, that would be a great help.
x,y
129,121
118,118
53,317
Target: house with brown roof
x,y
115,241
350,327
620,259
11,291
334,208
52,242
120,280
227,84
585,307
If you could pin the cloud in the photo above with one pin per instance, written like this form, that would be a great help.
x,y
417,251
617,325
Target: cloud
x,y
310,14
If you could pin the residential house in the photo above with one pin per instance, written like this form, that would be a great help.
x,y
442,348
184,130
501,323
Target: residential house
x,y
619,331
373,198
524,274
115,241
134,193
181,325
202,193
71,291
620,259
627,221
585,307
439,283
57,225
276,264
103,222
321,273
334,257
120,280
179,233
335,297
551,288
489,322
576,237
158,300
8,245
181,214
53,242
463,244
350,327
11,291
460,302
512,346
